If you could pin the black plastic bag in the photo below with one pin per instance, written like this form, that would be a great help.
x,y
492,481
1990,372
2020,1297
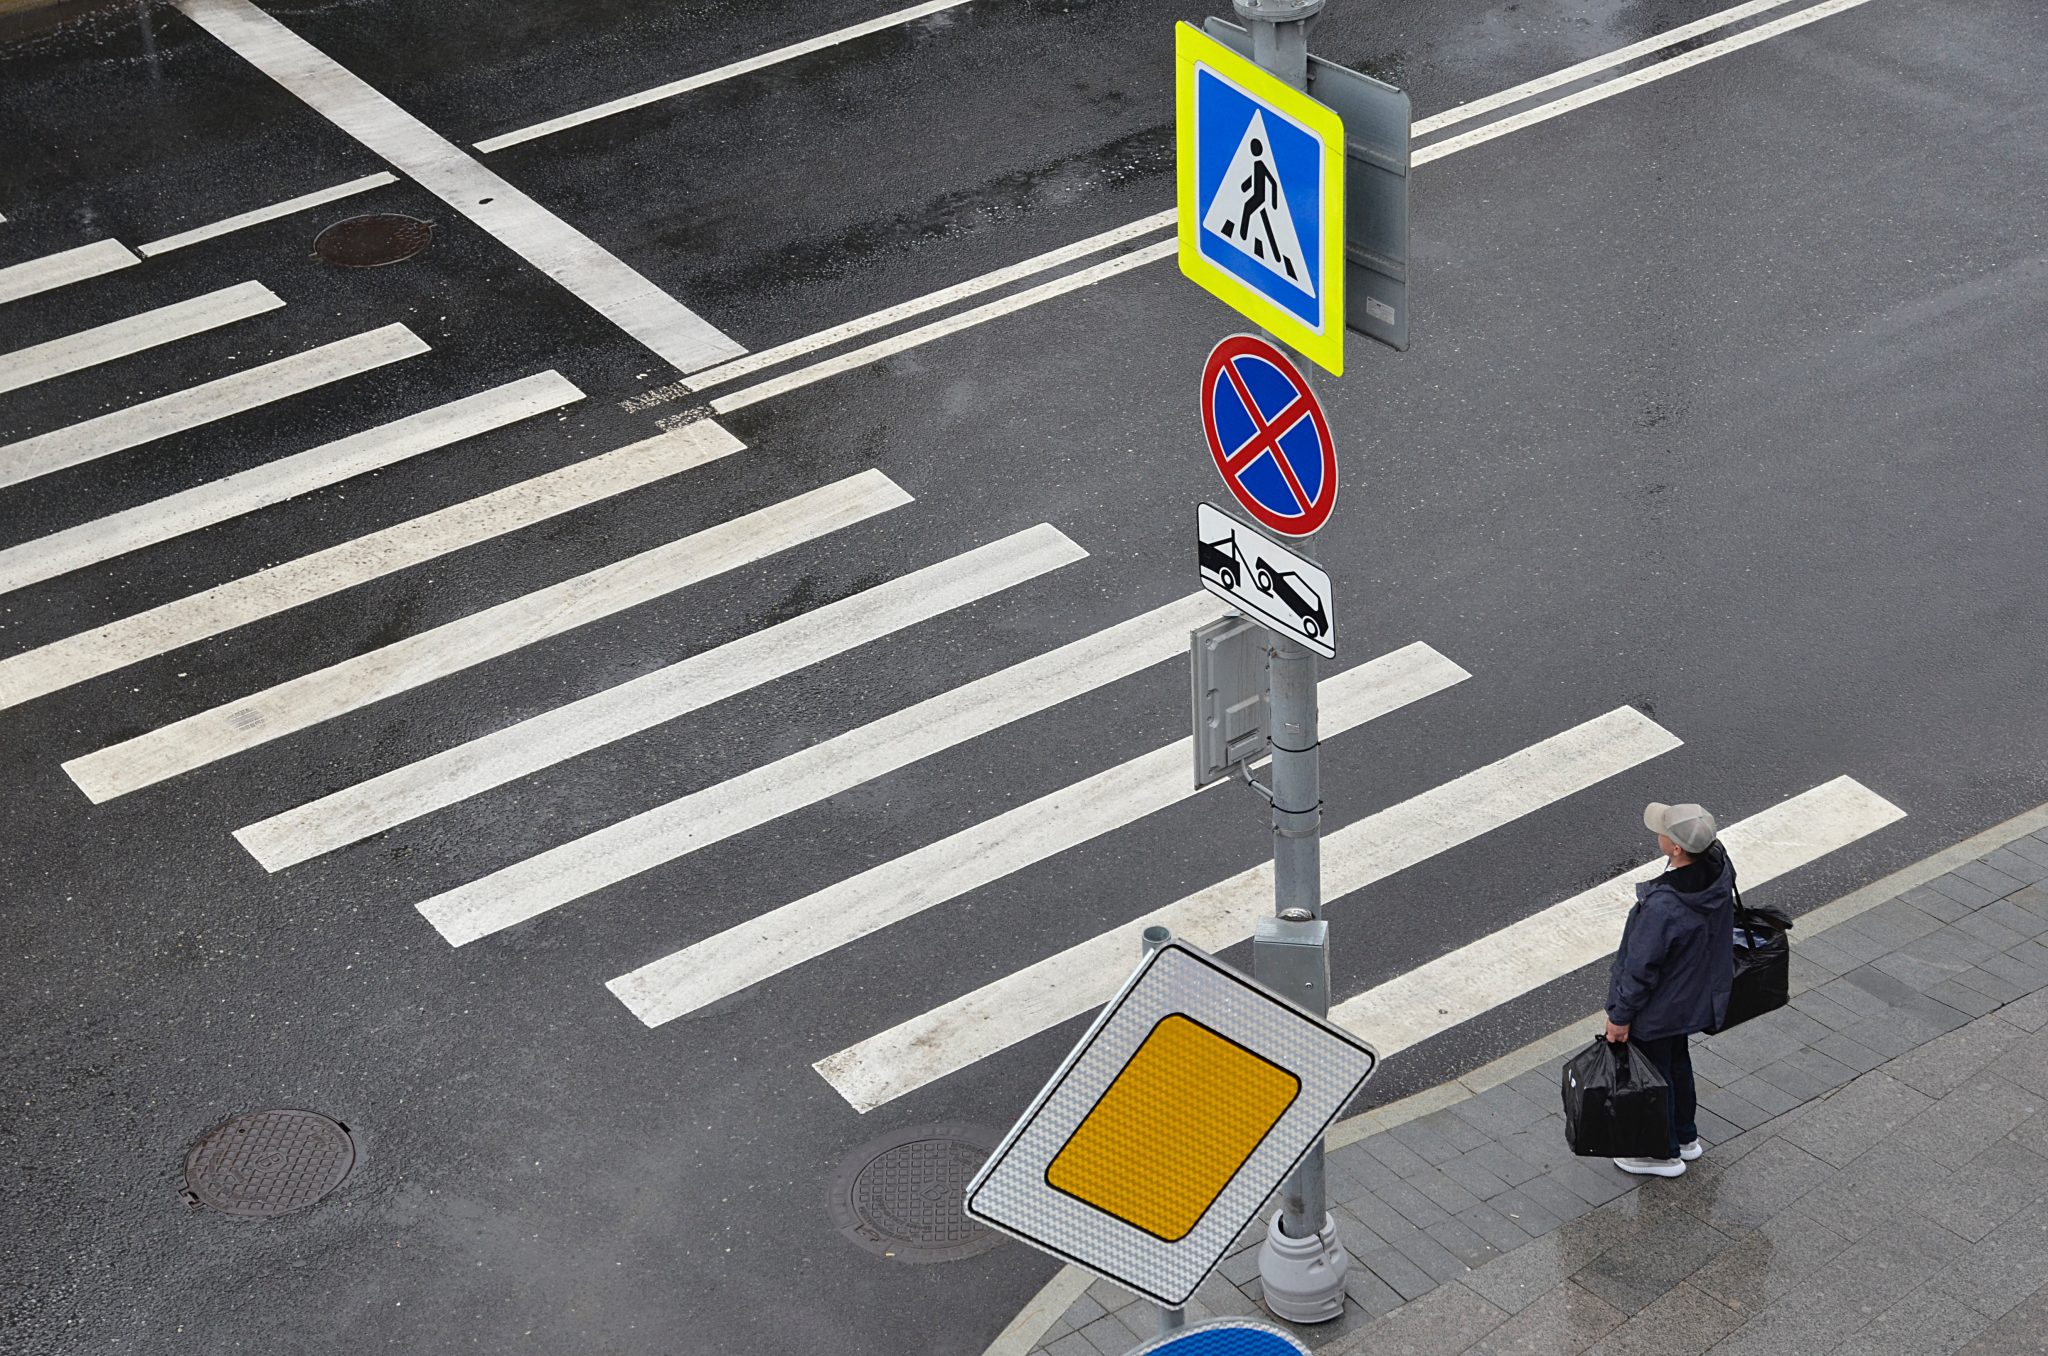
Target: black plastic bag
x,y
1763,964
1616,1103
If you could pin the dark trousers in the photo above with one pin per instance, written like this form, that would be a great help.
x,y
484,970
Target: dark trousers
x,y
1673,1057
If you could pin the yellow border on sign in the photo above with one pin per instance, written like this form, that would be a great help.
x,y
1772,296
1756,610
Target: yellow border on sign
x,y
1192,49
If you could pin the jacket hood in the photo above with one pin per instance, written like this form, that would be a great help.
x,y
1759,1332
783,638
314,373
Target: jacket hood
x,y
1701,901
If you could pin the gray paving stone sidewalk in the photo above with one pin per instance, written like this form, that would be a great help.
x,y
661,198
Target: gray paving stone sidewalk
x,y
1876,1179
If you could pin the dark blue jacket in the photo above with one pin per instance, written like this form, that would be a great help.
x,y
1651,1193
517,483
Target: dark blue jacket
x,y
1676,964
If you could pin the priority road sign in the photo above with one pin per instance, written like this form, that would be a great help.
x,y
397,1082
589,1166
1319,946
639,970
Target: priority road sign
x,y
1287,593
1268,436
1189,1101
1226,1337
1261,179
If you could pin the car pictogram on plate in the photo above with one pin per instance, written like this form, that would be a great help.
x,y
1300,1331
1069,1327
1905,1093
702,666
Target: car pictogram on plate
x,y
1290,588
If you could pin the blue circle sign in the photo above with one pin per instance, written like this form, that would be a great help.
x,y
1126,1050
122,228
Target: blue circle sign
x,y
1268,436
1227,1337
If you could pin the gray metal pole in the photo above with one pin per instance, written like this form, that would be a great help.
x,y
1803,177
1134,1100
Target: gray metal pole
x,y
1149,941
1279,32
1303,1267
1298,864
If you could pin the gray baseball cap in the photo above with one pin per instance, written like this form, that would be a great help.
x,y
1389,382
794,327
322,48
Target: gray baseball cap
x,y
1689,826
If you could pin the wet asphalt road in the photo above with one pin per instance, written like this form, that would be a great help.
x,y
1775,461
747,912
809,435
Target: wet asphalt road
x,y
1727,401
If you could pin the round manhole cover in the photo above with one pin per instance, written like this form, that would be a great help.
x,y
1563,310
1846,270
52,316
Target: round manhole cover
x,y
901,1195
269,1162
368,241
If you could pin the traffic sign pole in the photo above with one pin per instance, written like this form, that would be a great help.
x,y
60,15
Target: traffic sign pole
x,y
1171,1320
1302,1262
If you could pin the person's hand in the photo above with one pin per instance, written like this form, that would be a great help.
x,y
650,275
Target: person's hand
x,y
1616,1035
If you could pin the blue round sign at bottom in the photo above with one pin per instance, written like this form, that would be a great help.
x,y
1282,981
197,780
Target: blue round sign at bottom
x,y
1226,1337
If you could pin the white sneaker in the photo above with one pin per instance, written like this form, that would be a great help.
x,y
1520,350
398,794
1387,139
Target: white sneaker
x,y
1652,1167
1691,1151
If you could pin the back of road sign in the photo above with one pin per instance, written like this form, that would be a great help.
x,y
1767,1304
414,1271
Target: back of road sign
x,y
1261,177
1376,152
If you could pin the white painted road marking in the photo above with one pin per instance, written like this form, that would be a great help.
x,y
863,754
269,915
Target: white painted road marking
x,y
1685,61
1040,996
712,77
57,270
620,851
49,668
189,409
931,301
1449,146
769,943
274,482
120,338
1553,942
1670,37
597,278
861,357
356,812
270,213
468,641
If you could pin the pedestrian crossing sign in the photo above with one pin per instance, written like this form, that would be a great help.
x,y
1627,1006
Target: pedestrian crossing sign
x,y
1182,1109
1261,178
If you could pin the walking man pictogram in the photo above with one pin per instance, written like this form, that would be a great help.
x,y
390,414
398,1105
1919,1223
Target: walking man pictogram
x,y
1259,189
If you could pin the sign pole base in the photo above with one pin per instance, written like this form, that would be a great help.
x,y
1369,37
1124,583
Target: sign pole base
x,y
1303,1278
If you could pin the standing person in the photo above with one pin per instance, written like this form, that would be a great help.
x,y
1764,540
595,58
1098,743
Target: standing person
x,y
1675,968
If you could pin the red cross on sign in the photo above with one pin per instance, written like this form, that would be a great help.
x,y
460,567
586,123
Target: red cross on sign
x,y
1267,433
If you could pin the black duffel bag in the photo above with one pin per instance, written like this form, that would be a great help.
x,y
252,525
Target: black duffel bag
x,y
1616,1103
1763,963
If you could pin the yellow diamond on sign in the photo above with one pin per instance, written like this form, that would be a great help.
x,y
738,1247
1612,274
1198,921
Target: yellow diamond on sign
x,y
1174,1128
1186,1104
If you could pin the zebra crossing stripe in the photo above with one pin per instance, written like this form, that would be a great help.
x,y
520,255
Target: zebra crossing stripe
x,y
620,851
274,482
58,270
768,944
134,334
1553,942
263,214
145,635
996,1016
406,793
199,405
323,694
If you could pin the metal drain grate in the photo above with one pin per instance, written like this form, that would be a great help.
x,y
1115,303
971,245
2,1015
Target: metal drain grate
x,y
901,1195
374,240
269,1163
